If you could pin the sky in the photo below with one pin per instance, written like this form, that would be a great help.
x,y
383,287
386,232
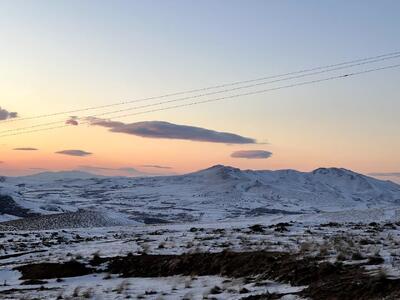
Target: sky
x,y
66,55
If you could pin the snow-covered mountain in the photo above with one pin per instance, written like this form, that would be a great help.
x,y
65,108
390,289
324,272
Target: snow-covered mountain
x,y
217,193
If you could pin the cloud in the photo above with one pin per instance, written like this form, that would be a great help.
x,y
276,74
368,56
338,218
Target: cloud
x,y
252,154
165,130
74,152
73,120
393,174
155,167
25,149
5,114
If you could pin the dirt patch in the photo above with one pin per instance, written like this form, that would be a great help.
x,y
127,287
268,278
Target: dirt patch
x,y
229,264
34,282
269,296
53,270
279,266
352,283
324,280
17,291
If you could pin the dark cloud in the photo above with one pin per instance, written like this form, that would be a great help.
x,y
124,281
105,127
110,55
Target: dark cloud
x,y
73,120
252,154
155,167
74,152
389,174
5,114
165,130
25,149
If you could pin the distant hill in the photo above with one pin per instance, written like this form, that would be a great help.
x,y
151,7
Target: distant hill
x,y
60,175
217,193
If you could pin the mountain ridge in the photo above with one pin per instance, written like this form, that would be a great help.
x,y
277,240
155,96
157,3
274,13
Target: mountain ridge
x,y
216,193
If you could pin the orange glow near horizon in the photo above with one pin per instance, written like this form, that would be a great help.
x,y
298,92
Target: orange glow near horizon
x,y
118,150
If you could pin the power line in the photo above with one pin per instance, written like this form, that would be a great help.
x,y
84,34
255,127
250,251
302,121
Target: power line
x,y
262,91
228,97
206,94
388,55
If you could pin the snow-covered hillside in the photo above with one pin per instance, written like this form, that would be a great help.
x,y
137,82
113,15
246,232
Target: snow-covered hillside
x,y
216,193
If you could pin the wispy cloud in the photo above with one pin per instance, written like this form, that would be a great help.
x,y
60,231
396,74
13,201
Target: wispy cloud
x,y
165,130
74,152
383,174
155,167
93,168
25,149
5,114
252,154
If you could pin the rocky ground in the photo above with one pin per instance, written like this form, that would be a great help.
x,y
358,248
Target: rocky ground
x,y
253,259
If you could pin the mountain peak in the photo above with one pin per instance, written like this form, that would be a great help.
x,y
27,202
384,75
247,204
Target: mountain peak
x,y
222,167
334,171
220,171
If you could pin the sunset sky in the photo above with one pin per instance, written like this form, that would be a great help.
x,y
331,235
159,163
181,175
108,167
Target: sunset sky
x,y
64,55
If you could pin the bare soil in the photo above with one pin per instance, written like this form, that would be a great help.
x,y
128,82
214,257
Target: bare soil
x,y
324,280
